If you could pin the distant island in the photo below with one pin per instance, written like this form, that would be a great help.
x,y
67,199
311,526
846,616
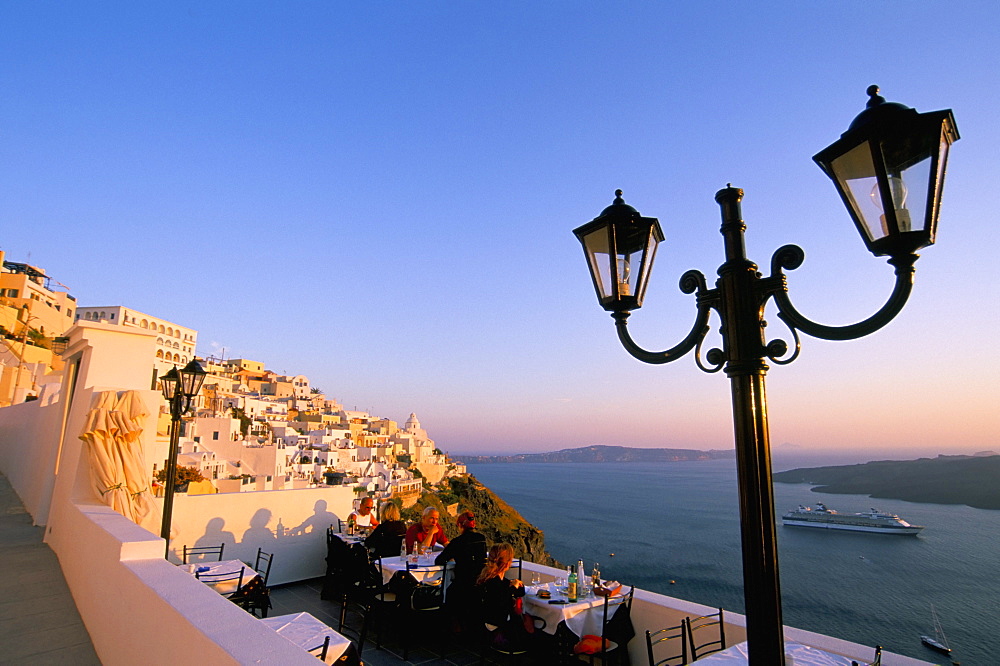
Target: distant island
x,y
970,480
602,454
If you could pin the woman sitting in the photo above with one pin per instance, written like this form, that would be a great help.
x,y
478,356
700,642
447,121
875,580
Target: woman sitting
x,y
386,540
502,599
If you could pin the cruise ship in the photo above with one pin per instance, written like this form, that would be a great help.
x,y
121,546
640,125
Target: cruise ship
x,y
872,520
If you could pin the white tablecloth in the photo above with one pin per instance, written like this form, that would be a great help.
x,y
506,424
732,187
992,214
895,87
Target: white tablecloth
x,y
307,632
213,569
391,565
583,617
795,655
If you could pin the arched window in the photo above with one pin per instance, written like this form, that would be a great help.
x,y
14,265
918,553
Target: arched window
x,y
162,329
144,324
159,353
170,331
104,315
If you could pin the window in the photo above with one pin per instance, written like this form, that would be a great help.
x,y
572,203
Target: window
x,y
215,435
12,293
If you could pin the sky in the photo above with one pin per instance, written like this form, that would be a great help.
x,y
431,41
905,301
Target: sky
x,y
381,196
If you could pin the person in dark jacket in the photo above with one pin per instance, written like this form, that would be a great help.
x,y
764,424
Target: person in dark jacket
x,y
386,540
468,550
502,600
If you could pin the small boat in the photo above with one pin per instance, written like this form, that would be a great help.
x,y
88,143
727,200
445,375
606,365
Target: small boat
x,y
938,641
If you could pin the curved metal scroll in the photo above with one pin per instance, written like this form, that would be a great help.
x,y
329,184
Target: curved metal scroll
x,y
691,282
790,257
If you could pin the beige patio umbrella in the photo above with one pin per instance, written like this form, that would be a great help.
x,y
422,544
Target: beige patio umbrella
x,y
132,412
106,471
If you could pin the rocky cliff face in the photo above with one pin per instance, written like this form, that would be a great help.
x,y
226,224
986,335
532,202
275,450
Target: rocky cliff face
x,y
496,519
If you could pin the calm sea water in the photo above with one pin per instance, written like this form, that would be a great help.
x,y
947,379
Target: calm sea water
x,y
673,528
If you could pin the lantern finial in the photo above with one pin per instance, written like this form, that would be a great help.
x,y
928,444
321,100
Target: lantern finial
x,y
618,197
876,99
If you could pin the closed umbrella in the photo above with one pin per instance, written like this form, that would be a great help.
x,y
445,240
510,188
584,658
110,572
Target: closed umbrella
x,y
106,471
132,412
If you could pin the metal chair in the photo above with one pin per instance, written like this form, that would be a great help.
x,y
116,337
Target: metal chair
x,y
703,625
616,629
202,552
253,597
878,658
656,640
262,564
320,650
223,580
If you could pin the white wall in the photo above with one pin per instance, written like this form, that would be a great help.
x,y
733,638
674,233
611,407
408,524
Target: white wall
x,y
289,523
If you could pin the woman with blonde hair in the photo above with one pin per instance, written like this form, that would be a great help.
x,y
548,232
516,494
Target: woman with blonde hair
x,y
387,539
502,600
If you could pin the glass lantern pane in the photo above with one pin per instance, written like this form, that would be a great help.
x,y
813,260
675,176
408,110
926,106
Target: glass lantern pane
x,y
942,160
908,167
647,265
599,256
855,174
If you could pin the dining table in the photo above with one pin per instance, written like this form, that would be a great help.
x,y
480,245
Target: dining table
x,y
795,654
309,633
207,572
421,567
583,616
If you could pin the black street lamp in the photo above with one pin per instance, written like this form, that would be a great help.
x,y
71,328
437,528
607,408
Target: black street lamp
x,y
179,388
889,168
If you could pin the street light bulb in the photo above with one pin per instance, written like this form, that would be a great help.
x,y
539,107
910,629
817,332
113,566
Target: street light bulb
x,y
624,270
897,188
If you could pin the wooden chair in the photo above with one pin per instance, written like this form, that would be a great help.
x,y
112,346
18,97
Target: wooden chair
x,y
425,601
262,564
657,640
203,552
704,626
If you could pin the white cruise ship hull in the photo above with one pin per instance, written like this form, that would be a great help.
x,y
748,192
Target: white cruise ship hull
x,y
879,529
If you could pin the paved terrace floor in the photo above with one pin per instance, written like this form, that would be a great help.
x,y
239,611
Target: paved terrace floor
x,y
39,623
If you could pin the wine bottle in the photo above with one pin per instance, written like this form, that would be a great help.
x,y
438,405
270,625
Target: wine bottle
x,y
571,586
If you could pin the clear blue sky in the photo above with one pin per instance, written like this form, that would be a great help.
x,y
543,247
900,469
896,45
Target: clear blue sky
x,y
381,196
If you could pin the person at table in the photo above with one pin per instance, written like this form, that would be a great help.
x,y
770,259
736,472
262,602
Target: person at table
x,y
425,534
386,540
502,600
363,516
468,550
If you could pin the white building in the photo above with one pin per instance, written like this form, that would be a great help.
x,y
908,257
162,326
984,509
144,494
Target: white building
x,y
175,344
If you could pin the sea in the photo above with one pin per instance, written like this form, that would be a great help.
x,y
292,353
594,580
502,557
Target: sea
x,y
673,528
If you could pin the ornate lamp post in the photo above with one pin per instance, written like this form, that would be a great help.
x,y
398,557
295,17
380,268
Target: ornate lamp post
x,y
889,169
179,388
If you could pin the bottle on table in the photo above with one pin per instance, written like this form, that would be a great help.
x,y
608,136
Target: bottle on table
x,y
581,575
350,524
402,550
571,585
595,576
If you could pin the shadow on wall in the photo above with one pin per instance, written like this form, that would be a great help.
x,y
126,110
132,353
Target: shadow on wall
x,y
299,551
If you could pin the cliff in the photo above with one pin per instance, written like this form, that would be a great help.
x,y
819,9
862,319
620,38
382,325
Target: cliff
x,y
496,519
602,454
970,480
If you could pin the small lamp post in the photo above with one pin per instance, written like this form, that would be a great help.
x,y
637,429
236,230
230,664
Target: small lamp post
x,y
179,388
889,169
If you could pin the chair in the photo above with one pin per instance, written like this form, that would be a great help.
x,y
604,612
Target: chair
x,y
425,599
878,658
381,601
253,597
655,640
226,582
322,648
616,630
702,625
202,552
262,565
519,565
